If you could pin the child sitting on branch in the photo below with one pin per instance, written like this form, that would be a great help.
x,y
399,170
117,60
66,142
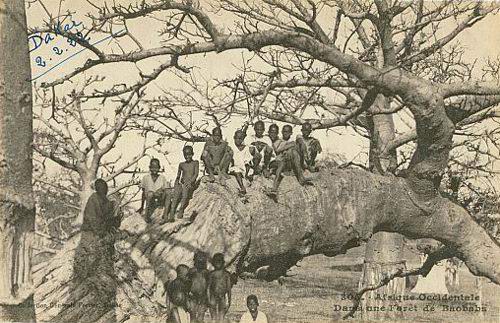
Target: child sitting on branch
x,y
287,157
185,183
308,148
245,160
216,155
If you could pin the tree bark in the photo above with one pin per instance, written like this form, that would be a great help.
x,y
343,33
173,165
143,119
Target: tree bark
x,y
87,177
17,213
384,251
342,210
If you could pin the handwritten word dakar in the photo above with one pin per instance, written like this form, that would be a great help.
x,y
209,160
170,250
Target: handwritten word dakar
x,y
48,49
41,40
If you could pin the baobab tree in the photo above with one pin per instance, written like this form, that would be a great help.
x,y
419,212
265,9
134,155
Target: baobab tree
x,y
79,137
380,63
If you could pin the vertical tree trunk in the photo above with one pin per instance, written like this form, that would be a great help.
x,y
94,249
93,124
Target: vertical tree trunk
x,y
88,177
17,212
384,251
383,255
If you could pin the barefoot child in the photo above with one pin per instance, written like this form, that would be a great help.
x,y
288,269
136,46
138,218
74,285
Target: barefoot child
x,y
180,282
308,148
219,289
153,189
187,174
264,146
198,276
216,155
287,156
243,157
179,313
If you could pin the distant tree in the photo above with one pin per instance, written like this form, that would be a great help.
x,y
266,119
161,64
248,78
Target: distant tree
x,y
72,132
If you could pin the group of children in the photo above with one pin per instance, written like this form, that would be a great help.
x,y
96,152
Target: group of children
x,y
265,155
197,289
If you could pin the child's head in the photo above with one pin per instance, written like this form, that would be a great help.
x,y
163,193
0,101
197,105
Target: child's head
x,y
286,132
252,303
259,128
273,131
239,137
182,271
188,153
200,260
154,166
101,187
218,261
217,135
306,129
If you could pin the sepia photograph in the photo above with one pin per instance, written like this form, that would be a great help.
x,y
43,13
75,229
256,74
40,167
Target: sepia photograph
x,y
249,161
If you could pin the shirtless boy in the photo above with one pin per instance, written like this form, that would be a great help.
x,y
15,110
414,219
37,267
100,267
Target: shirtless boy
x,y
180,283
185,181
179,309
198,277
219,289
287,156
216,155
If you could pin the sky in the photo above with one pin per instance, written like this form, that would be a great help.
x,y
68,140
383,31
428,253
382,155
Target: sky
x,y
52,58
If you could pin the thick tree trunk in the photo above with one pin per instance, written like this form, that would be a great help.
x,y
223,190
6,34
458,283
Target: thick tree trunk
x,y
383,256
341,211
17,213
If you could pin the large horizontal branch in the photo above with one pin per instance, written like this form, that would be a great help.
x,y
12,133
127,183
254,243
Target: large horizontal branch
x,y
471,88
335,214
393,81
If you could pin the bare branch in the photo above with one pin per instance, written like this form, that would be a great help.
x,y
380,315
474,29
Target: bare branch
x,y
476,15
